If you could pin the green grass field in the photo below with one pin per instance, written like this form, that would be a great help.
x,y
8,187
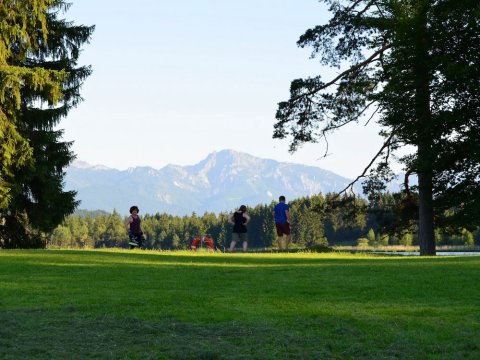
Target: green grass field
x,y
166,305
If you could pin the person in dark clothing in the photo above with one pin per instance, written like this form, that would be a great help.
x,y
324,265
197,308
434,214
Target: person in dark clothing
x,y
239,219
134,229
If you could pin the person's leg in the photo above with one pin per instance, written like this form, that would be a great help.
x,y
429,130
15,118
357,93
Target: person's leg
x,y
278,227
234,242
288,238
141,240
132,240
244,238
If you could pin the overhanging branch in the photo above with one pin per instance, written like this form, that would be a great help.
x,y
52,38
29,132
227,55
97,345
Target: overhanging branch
x,y
353,69
385,145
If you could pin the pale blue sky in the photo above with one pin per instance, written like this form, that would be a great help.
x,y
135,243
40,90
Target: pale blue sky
x,y
176,80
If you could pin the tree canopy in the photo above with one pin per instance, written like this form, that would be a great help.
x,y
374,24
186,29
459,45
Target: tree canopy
x,y
412,66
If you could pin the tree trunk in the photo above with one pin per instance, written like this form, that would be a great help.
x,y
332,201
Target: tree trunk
x,y
425,139
426,231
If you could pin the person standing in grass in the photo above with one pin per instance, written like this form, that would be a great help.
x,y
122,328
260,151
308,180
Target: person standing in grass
x,y
281,213
239,219
134,228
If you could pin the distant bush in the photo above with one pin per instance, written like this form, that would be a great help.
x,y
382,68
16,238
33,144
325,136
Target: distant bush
x,y
362,242
319,248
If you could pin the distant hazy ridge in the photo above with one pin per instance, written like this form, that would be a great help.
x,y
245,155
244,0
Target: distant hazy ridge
x,y
221,182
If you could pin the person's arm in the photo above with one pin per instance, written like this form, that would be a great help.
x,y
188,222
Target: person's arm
x,y
230,219
139,224
128,222
287,213
245,215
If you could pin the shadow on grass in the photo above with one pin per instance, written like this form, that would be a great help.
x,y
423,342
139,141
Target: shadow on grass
x,y
41,334
67,333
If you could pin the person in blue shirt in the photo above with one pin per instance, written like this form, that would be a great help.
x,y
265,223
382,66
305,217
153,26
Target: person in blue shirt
x,y
281,213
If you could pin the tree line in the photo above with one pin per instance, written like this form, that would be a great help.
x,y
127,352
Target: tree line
x,y
316,224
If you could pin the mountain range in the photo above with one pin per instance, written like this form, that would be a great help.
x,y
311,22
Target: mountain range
x,y
223,181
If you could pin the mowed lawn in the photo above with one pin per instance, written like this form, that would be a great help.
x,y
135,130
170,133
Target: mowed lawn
x,y
107,304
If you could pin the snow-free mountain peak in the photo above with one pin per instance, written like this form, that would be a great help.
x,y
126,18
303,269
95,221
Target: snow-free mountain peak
x,y
220,182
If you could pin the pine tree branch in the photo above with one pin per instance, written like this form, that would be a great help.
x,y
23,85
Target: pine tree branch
x,y
352,119
353,69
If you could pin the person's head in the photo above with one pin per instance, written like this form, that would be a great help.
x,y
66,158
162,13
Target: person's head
x,y
281,198
242,208
134,208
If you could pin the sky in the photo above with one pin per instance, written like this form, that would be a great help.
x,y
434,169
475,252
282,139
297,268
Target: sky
x,y
174,81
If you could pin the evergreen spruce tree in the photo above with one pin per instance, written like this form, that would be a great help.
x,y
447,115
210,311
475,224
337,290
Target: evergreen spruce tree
x,y
19,24
413,64
32,197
